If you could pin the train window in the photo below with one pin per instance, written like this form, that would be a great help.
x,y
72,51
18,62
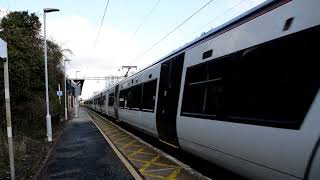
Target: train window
x,y
204,89
129,96
134,97
256,86
207,54
149,95
277,87
111,99
103,100
123,96
197,73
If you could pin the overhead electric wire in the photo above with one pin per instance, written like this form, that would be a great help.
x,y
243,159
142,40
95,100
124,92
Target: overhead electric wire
x,y
220,15
173,30
104,14
146,18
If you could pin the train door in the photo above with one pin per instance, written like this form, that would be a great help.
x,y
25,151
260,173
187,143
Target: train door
x,y
100,102
168,96
116,102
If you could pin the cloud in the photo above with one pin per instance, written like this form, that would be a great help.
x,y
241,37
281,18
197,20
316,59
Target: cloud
x,y
3,12
100,58
113,48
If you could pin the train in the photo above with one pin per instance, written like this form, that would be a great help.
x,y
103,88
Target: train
x,y
244,96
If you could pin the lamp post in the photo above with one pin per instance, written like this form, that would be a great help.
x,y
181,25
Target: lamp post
x,y
48,117
76,99
65,91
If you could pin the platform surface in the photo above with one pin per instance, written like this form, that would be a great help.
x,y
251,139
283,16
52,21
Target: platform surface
x,y
149,162
83,153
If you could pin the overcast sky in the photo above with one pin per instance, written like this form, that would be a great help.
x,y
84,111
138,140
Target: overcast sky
x,y
76,27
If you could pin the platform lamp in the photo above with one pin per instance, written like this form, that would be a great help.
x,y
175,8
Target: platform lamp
x,y
65,90
48,117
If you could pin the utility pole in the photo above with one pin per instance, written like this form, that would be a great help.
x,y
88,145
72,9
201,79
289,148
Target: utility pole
x,y
4,58
65,91
129,68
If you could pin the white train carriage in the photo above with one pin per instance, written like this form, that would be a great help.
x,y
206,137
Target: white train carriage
x,y
112,102
137,100
244,96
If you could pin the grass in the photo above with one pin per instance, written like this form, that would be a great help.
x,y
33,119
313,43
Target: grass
x,y
4,163
29,148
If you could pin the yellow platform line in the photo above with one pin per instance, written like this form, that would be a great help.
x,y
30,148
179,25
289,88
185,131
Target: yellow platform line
x,y
166,165
149,163
120,136
109,131
136,152
155,163
147,153
135,145
113,135
127,145
154,176
139,160
120,144
174,174
114,130
107,125
120,139
140,152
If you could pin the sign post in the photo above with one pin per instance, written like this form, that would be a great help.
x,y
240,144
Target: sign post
x,y
60,93
4,58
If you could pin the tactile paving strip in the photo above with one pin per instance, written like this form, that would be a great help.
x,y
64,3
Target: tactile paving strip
x,y
150,164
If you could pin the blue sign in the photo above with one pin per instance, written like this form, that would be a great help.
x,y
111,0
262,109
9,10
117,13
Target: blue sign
x,y
59,93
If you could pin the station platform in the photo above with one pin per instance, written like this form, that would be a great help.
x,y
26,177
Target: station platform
x,y
93,147
83,153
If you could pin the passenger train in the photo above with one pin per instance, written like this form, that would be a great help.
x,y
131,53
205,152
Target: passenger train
x,y
244,96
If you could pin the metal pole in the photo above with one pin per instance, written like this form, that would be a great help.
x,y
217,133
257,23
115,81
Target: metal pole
x,y
48,117
76,105
8,114
65,93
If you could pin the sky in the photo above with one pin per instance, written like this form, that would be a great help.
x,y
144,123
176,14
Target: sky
x,y
77,24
